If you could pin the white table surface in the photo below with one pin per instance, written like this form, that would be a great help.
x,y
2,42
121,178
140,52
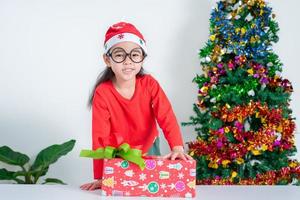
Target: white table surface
x,y
65,192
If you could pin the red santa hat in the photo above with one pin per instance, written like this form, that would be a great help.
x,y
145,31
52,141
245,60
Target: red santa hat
x,y
121,32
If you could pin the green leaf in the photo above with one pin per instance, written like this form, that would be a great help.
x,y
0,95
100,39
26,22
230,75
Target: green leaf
x,y
7,155
6,175
264,167
20,173
51,154
215,124
241,171
230,137
54,180
251,171
225,173
38,173
206,50
282,182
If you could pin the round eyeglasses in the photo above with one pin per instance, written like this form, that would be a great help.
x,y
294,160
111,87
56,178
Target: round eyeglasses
x,y
118,55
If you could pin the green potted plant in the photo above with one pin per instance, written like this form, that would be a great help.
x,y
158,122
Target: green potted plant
x,y
30,174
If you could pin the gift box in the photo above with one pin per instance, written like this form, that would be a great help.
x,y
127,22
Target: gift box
x,y
160,177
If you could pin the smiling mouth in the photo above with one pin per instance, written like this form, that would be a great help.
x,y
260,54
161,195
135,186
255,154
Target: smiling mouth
x,y
127,70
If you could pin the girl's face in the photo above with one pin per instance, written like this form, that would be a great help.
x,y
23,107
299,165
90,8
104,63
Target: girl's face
x,y
125,60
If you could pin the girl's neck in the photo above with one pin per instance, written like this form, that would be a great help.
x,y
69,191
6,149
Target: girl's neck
x,y
121,84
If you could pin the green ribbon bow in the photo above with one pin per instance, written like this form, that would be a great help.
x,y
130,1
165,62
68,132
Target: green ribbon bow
x,y
123,151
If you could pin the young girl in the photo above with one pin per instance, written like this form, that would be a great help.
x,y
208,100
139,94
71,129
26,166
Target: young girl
x,y
126,102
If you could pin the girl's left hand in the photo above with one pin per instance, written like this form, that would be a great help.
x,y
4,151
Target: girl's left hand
x,y
178,152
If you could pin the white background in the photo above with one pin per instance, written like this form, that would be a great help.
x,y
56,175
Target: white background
x,y
51,53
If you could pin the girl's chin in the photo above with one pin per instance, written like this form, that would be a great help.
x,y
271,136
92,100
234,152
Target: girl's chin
x,y
127,77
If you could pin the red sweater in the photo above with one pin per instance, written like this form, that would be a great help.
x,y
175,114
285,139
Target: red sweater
x,y
116,119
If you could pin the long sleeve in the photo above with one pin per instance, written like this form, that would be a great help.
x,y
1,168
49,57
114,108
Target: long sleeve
x,y
164,115
100,129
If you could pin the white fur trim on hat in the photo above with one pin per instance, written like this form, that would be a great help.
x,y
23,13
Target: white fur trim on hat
x,y
124,37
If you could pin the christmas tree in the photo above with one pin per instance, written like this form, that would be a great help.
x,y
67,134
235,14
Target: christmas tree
x,y
245,129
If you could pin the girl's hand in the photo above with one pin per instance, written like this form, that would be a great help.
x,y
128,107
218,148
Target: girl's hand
x,y
92,186
178,152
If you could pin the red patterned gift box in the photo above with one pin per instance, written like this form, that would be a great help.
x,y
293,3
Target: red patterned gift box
x,y
165,178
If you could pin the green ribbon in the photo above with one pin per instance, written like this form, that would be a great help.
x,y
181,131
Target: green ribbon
x,y
123,151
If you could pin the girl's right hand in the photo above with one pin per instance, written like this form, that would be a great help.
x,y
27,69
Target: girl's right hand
x,y
92,186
